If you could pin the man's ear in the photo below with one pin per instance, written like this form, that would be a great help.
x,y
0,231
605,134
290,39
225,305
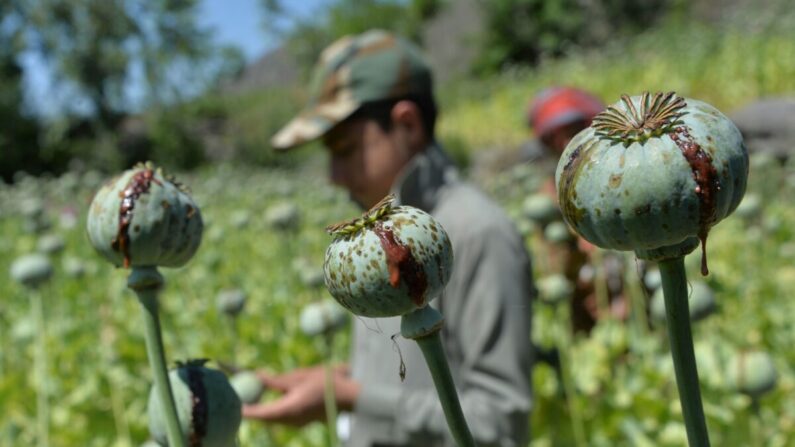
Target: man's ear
x,y
407,115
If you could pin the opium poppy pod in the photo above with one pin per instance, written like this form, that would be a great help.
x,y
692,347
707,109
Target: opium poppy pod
x,y
389,262
208,407
653,174
143,219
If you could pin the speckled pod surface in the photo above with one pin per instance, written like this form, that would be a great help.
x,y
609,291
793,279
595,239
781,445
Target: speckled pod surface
x,y
389,265
141,218
660,180
208,408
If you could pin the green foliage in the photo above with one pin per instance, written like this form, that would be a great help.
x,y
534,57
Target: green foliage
x,y
175,138
727,66
522,32
306,38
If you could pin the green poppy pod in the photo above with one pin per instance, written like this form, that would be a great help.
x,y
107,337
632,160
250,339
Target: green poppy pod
x,y
540,208
752,373
554,288
248,386
143,219
323,317
653,174
31,270
208,408
389,262
701,302
231,302
50,244
558,233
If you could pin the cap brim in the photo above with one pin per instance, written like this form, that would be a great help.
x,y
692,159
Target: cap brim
x,y
312,123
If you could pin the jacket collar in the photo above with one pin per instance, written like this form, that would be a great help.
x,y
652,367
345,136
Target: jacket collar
x,y
421,180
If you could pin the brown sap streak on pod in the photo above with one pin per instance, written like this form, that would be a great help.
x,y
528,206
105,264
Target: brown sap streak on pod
x,y
402,265
199,409
707,185
139,184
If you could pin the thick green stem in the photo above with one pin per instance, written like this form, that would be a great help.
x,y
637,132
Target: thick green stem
x,y
329,395
423,327
42,403
674,283
567,380
146,282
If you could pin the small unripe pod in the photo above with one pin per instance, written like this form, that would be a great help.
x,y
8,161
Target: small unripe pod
x,y
231,302
554,289
143,219
283,216
540,208
31,270
208,408
248,386
50,244
389,262
701,302
558,232
752,373
322,318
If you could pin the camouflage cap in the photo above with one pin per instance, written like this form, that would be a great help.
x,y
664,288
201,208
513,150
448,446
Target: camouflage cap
x,y
354,70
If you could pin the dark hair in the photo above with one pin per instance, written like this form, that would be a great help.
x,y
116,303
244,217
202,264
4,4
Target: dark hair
x,y
381,112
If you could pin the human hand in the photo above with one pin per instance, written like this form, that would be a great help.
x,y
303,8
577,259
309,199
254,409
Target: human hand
x,y
301,401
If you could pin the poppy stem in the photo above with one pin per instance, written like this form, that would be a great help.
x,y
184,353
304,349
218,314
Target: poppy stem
x,y
674,283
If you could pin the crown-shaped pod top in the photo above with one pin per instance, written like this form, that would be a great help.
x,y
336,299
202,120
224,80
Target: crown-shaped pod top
x,y
142,219
389,262
653,174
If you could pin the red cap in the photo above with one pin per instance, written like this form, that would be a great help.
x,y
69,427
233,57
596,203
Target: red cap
x,y
558,106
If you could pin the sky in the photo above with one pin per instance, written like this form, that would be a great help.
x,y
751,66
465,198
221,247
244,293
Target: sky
x,y
239,22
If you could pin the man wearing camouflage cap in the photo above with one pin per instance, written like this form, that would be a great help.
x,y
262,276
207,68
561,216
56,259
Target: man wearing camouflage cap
x,y
373,107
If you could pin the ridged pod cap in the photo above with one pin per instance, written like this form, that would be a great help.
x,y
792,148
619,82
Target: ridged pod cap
x,y
653,174
208,408
141,219
388,262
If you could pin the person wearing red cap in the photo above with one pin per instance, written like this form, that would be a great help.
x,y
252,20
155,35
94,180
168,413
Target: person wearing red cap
x,y
555,116
558,113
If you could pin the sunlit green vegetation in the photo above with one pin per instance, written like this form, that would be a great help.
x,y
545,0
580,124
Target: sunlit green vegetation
x,y
98,377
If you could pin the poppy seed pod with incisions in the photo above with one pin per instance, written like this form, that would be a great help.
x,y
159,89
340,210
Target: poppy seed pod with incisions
x,y
653,174
142,218
208,408
389,262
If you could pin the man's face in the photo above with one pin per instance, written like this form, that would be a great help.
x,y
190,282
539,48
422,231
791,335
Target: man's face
x,y
365,160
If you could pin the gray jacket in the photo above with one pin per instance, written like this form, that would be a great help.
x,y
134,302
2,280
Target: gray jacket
x,y
486,336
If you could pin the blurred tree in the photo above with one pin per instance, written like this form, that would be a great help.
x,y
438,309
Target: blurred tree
x,y
521,32
18,133
106,59
100,48
306,37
